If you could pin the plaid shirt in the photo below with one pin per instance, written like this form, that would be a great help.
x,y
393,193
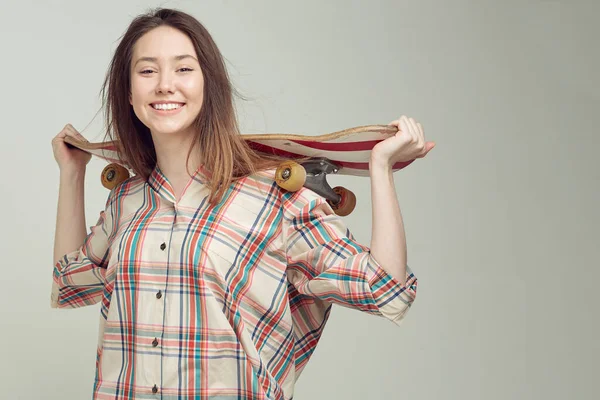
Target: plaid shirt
x,y
227,301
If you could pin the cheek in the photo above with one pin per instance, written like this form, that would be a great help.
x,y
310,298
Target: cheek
x,y
139,89
137,101
134,95
194,89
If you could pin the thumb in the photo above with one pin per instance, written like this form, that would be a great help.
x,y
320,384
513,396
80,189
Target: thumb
x,y
428,147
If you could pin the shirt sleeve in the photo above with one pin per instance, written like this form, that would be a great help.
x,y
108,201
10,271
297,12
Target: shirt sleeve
x,y
78,277
325,261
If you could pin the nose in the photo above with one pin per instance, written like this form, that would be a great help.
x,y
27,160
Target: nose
x,y
165,84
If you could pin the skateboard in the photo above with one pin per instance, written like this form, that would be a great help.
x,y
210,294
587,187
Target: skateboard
x,y
309,160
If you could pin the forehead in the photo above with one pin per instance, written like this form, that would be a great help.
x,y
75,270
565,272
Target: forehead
x,y
163,42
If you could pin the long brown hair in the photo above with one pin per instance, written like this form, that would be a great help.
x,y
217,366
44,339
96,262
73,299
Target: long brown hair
x,y
225,153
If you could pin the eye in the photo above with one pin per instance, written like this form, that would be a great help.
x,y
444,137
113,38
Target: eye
x,y
185,69
146,72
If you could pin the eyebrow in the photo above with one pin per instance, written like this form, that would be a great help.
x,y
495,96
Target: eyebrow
x,y
154,59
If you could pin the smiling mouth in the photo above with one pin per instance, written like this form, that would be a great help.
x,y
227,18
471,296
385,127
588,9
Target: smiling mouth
x,y
167,106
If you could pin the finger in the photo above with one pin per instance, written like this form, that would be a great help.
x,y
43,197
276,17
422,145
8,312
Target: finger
x,y
415,129
404,129
68,130
71,131
413,124
418,132
409,129
421,129
419,139
56,140
62,133
395,123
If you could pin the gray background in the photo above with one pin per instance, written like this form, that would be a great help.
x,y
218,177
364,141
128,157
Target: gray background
x,y
501,217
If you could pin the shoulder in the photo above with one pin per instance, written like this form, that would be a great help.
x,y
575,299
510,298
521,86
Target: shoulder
x,y
125,189
291,203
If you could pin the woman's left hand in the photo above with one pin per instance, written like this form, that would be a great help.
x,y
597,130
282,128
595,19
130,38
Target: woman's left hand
x,y
405,145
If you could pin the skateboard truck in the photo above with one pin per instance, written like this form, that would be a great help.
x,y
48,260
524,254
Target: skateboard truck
x,y
312,174
316,178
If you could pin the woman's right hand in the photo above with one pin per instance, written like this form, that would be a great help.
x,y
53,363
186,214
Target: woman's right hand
x,y
69,158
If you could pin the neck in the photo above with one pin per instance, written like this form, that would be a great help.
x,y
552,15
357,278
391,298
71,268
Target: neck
x,y
171,156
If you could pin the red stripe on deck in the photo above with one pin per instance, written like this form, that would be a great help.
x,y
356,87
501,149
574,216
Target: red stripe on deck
x,y
346,146
344,164
365,165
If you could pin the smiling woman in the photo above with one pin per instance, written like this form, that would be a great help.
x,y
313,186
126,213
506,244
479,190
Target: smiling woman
x,y
213,281
173,74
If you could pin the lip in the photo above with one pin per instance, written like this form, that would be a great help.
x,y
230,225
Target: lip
x,y
168,102
166,112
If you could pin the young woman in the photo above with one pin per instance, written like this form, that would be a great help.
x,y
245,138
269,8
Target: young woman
x,y
212,280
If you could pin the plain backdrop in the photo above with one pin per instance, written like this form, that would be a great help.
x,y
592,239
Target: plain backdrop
x,y
501,217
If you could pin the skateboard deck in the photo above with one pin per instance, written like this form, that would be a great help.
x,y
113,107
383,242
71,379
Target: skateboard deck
x,y
345,152
349,149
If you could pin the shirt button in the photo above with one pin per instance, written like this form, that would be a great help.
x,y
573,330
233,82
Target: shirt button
x,y
159,294
155,389
163,246
155,342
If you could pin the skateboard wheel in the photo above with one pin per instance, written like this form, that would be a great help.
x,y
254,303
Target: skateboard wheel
x,y
113,175
290,176
347,201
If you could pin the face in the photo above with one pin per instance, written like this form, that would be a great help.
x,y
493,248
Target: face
x,y
166,82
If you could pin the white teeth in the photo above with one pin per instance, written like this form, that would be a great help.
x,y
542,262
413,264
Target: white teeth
x,y
170,106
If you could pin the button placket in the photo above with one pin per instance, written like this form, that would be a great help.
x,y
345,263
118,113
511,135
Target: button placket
x,y
159,313
159,297
161,304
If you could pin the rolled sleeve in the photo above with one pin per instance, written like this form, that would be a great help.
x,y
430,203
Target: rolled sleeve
x,y
79,276
325,261
392,298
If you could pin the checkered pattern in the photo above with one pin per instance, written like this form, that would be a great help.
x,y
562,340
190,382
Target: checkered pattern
x,y
226,301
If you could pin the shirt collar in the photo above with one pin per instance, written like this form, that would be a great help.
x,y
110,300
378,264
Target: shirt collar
x,y
160,184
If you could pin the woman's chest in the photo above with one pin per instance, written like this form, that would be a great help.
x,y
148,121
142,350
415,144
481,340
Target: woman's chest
x,y
222,248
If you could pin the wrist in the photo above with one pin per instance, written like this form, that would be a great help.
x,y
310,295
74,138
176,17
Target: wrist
x,y
69,174
381,176
380,166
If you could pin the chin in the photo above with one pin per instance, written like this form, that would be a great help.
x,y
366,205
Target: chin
x,y
169,130
165,125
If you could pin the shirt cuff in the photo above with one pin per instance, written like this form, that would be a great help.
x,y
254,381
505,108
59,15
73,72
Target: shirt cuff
x,y
392,298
